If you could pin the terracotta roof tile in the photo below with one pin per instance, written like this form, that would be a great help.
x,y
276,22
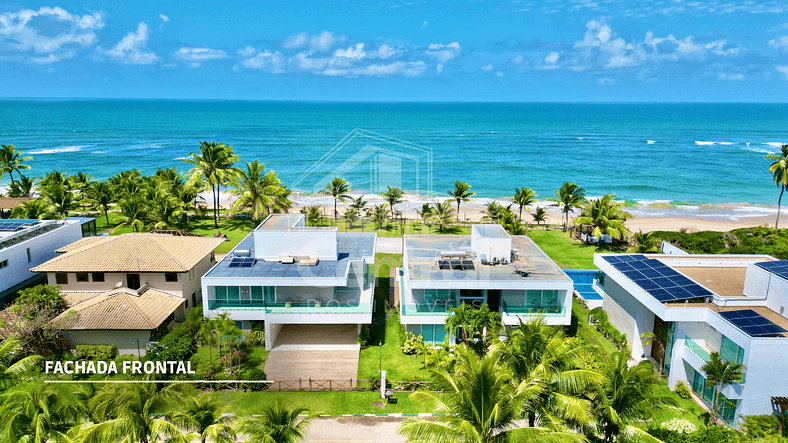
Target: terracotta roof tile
x,y
121,309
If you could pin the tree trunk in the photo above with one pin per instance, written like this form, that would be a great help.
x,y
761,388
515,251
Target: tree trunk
x,y
215,214
335,210
106,214
779,201
458,210
531,419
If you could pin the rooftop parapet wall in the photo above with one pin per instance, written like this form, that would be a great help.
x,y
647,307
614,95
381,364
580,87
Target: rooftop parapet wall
x,y
286,234
491,242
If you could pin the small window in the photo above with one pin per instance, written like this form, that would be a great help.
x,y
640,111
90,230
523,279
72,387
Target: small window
x,y
29,256
171,277
3,264
98,276
213,256
61,278
82,276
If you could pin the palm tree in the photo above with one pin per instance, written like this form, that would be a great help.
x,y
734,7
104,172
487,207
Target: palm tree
x,y
162,205
524,197
36,412
22,188
720,372
492,212
10,374
646,241
31,210
392,196
81,182
628,398
11,161
461,193
134,413
441,214
101,196
351,215
568,197
606,216
60,198
259,192
779,170
542,353
277,424
472,321
205,415
134,213
339,188
480,404
213,167
379,214
516,227
540,215
313,215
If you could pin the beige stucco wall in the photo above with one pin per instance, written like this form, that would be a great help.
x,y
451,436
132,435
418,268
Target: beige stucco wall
x,y
122,339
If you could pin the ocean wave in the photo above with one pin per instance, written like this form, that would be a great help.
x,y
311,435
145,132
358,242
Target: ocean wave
x,y
651,142
703,143
775,144
58,150
759,150
99,152
181,158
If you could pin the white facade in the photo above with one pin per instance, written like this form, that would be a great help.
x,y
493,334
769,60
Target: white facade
x,y
298,275
523,282
696,328
32,246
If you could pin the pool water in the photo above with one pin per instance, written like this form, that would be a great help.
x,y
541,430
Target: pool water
x,y
583,279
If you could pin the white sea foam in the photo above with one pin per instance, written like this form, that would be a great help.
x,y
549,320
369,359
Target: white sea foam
x,y
182,158
775,144
579,138
759,150
99,152
651,142
704,143
57,150
726,143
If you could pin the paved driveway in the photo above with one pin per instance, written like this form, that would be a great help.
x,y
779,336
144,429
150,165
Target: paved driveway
x,y
319,352
355,430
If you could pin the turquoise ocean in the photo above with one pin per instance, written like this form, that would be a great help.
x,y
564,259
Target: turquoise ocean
x,y
690,154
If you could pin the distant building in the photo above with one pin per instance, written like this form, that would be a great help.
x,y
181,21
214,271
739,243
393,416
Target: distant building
x,y
699,304
25,244
508,273
128,288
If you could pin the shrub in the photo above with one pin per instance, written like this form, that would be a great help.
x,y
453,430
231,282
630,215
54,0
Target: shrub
x,y
256,375
97,352
760,426
683,390
599,314
679,425
410,346
256,336
365,335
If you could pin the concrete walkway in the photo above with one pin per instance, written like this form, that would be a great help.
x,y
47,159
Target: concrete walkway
x,y
319,352
389,245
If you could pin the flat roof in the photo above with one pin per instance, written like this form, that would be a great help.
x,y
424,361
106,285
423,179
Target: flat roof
x,y
767,313
350,247
13,231
424,251
723,281
279,222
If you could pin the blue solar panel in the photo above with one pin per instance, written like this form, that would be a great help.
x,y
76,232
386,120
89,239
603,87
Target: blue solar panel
x,y
235,263
658,279
10,225
752,323
779,267
247,263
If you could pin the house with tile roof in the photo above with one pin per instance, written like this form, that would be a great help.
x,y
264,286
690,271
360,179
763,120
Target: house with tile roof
x,y
128,289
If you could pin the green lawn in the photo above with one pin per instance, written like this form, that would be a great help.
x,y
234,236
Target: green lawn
x,y
588,333
330,403
566,253
255,359
398,366
395,229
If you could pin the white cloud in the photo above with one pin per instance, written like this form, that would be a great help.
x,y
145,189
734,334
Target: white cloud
x,y
779,43
133,48
605,81
734,77
499,74
164,18
487,68
319,42
518,60
424,25
196,56
357,53
552,58
63,33
272,62
443,53
384,51
247,51
784,70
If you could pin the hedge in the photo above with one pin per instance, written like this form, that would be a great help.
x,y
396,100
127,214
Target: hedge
x,y
97,352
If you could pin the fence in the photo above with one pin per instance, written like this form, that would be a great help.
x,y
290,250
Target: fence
x,y
310,384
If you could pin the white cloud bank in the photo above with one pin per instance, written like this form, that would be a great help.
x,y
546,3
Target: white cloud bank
x,y
195,57
133,48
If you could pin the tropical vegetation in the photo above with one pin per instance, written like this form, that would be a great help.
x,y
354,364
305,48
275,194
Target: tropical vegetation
x,y
461,193
779,170
568,197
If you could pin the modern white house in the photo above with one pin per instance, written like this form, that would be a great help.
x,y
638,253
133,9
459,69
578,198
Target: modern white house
x,y
699,304
285,273
25,244
510,274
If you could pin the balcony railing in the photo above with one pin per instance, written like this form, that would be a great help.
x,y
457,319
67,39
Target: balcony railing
x,y
697,349
332,307
543,310
426,308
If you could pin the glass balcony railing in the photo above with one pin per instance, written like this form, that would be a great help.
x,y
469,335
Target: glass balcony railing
x,y
333,307
426,308
697,349
543,310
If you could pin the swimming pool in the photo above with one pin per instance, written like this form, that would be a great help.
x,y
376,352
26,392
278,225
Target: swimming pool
x,y
583,279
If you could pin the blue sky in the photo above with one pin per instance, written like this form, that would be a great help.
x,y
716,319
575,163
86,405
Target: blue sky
x,y
555,50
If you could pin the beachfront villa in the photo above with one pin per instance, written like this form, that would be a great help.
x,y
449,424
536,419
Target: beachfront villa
x,y
509,273
312,286
28,243
699,304
129,289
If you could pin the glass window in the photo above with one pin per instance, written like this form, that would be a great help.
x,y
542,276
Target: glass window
x,y
98,276
232,293
245,292
269,292
82,276
257,292
413,329
171,277
220,292
730,351
61,278
29,256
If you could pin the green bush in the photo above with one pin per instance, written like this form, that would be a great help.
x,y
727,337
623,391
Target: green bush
x,y
410,346
180,343
96,352
256,375
760,426
714,434
365,335
683,390
599,314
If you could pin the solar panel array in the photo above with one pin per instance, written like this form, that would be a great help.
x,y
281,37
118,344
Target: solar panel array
x,y
779,267
459,265
752,323
658,279
242,262
10,225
